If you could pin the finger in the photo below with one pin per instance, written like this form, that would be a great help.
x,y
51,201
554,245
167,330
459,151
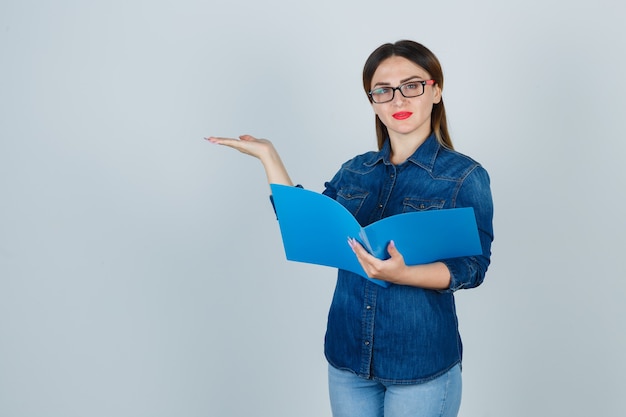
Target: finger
x,y
231,142
355,245
219,140
391,249
239,145
394,253
358,251
362,255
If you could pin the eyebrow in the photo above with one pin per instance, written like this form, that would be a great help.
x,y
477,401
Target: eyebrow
x,y
401,81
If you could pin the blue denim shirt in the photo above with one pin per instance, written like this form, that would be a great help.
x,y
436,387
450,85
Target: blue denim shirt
x,y
405,334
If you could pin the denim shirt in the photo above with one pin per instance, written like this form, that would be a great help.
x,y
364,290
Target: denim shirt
x,y
405,334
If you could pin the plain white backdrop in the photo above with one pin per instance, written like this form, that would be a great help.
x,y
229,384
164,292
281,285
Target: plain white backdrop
x,y
141,268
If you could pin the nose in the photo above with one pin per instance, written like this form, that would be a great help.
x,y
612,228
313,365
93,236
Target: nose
x,y
398,98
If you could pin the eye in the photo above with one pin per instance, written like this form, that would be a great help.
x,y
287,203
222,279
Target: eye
x,y
411,86
381,90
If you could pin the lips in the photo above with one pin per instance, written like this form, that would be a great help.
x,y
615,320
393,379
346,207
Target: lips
x,y
402,115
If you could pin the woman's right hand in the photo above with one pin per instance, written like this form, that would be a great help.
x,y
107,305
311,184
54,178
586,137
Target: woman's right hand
x,y
262,149
259,148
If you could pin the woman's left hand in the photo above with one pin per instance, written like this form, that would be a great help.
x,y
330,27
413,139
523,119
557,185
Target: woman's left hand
x,y
433,276
391,270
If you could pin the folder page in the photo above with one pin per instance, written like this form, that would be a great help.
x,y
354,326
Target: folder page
x,y
315,229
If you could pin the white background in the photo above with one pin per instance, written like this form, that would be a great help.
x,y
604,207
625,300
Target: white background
x,y
141,268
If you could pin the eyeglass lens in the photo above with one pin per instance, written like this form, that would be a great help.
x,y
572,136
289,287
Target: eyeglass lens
x,y
408,90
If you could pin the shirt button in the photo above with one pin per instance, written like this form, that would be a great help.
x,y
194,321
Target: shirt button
x,y
380,206
368,307
367,343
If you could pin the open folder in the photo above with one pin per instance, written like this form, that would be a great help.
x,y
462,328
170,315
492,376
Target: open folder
x,y
315,229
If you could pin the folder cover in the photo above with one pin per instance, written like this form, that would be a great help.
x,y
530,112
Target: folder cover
x,y
315,229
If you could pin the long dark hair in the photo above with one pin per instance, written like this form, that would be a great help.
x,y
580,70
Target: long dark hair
x,y
422,56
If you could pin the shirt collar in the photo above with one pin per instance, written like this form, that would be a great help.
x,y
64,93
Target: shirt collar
x,y
424,156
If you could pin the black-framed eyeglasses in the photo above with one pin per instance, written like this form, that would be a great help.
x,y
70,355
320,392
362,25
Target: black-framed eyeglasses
x,y
408,90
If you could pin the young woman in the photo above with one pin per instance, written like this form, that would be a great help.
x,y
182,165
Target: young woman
x,y
396,351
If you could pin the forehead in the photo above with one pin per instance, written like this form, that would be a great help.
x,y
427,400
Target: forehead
x,y
395,69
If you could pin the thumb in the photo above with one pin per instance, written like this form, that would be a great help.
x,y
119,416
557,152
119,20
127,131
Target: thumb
x,y
392,250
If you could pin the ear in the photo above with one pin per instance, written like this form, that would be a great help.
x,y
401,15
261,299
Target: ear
x,y
436,94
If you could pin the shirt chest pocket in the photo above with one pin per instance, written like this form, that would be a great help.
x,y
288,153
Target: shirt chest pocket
x,y
352,199
419,204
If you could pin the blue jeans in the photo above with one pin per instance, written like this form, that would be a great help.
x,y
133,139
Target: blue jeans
x,y
352,396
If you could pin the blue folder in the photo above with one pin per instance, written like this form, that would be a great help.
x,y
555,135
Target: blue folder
x,y
315,229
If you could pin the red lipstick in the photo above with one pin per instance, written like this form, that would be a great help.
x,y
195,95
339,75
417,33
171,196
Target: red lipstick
x,y
402,115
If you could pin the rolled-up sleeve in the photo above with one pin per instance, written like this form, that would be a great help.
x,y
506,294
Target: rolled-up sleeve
x,y
475,191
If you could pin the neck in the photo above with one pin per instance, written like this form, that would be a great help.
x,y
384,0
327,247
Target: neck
x,y
403,146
